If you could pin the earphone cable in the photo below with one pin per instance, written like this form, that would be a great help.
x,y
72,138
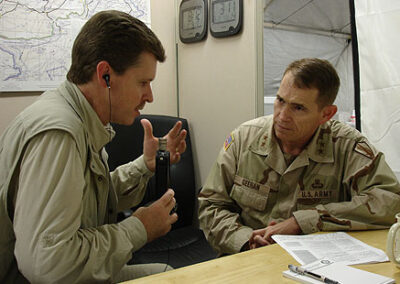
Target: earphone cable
x,y
109,105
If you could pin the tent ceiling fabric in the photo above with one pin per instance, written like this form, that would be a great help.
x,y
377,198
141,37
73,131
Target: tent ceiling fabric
x,y
326,15
282,45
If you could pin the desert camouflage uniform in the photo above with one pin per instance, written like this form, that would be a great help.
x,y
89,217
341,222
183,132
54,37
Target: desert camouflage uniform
x,y
338,182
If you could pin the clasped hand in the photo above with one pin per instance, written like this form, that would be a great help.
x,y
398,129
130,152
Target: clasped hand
x,y
176,143
263,237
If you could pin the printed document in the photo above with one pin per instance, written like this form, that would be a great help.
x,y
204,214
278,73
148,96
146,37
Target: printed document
x,y
336,247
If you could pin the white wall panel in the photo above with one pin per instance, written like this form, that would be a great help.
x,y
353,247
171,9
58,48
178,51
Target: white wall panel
x,y
218,86
378,25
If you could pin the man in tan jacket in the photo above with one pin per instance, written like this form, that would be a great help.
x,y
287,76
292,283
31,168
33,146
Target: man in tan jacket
x,y
296,172
58,201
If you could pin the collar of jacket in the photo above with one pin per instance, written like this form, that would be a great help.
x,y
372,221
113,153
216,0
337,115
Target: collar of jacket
x,y
319,149
99,135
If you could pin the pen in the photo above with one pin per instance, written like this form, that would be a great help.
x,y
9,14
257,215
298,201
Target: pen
x,y
302,271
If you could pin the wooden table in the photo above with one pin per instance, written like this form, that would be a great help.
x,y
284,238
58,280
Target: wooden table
x,y
262,265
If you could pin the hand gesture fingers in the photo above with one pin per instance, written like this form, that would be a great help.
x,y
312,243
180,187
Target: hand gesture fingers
x,y
174,132
148,129
150,145
176,143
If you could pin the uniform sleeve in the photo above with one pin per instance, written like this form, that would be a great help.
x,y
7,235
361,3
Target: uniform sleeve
x,y
50,245
219,215
370,194
130,182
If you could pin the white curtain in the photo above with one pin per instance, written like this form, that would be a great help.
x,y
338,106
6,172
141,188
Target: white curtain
x,y
378,27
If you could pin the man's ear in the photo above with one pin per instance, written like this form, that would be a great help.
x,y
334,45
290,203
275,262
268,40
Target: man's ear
x,y
102,68
328,112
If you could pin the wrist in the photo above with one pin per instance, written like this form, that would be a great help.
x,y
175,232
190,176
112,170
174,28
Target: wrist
x,y
297,228
150,164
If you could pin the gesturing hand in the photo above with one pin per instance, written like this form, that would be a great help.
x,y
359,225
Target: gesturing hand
x,y
176,143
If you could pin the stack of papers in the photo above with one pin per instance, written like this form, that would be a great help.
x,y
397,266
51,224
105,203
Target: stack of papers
x,y
339,272
337,247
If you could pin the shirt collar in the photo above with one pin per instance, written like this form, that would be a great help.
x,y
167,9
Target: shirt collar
x,y
265,143
320,148
99,135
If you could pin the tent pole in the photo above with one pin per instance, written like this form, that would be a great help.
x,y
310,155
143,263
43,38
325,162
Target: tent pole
x,y
356,65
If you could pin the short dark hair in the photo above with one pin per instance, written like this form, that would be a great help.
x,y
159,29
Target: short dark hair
x,y
115,37
316,73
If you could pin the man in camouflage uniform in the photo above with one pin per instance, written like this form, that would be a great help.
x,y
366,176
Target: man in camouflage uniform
x,y
296,171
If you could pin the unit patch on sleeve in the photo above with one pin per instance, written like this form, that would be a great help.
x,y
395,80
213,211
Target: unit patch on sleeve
x,y
228,141
364,149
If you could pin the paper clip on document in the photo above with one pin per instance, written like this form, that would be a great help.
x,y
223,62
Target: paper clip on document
x,y
302,271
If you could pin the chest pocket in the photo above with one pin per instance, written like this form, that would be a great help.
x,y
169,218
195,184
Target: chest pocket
x,y
247,197
95,193
318,189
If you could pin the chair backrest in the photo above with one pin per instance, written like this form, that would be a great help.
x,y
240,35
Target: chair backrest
x,y
127,145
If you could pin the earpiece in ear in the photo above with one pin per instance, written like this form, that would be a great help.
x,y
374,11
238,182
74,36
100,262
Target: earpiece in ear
x,y
106,77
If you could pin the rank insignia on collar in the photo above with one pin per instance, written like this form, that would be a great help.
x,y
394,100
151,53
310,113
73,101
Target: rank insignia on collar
x,y
228,141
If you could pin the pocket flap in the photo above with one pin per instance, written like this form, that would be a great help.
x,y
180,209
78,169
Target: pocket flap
x,y
248,197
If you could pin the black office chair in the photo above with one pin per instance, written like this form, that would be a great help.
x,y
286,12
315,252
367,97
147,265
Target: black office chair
x,y
185,244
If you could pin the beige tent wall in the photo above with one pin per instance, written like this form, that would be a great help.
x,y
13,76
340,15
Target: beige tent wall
x,y
219,81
